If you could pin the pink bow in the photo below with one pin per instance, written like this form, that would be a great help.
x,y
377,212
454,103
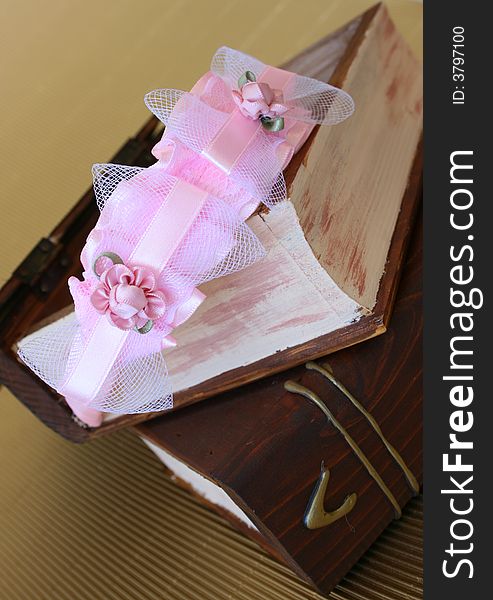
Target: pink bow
x,y
163,238
248,119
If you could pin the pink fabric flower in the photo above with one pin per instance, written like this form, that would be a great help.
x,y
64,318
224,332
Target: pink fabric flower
x,y
257,100
128,296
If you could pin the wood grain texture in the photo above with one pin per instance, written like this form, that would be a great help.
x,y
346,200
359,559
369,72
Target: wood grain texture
x,y
264,446
23,305
366,159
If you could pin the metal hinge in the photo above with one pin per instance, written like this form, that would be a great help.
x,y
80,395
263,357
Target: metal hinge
x,y
43,266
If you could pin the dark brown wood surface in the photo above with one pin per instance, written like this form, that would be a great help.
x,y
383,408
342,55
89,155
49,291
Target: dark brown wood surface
x,y
38,288
264,445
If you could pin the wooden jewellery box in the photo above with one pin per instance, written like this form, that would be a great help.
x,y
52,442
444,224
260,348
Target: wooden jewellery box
x,y
308,445
333,256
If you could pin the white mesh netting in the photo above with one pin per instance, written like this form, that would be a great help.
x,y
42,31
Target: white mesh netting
x,y
196,124
310,100
138,381
218,242
231,64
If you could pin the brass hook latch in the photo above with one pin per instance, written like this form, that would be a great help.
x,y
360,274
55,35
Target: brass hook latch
x,y
315,515
292,386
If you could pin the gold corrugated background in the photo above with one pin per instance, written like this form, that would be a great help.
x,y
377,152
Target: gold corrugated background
x,y
102,521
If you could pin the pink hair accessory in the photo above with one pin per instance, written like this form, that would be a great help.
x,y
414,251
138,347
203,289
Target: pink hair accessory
x,y
217,121
165,230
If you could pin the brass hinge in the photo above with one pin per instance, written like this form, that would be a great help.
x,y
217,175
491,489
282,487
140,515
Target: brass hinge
x,y
43,266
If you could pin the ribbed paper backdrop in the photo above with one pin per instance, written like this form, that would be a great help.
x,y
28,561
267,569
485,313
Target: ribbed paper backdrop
x,y
102,521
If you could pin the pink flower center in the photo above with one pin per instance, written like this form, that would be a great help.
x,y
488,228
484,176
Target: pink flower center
x,y
127,300
257,100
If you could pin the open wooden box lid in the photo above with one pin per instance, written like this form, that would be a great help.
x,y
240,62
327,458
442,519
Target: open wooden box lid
x,y
375,156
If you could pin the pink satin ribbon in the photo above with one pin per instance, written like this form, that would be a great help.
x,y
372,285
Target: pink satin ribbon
x,y
231,141
154,250
237,133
